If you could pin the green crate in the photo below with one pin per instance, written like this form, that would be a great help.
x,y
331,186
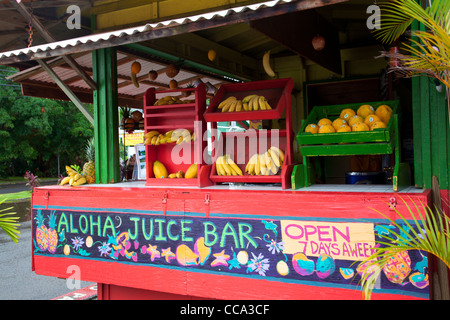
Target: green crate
x,y
378,141
333,112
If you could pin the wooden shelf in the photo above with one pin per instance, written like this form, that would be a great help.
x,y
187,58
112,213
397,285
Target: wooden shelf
x,y
277,92
175,157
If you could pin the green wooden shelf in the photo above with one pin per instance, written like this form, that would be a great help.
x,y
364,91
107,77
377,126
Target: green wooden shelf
x,y
378,141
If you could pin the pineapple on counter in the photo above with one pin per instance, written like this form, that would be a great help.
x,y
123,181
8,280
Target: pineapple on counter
x,y
89,167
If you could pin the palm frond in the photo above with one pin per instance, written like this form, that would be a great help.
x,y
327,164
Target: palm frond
x,y
8,222
426,231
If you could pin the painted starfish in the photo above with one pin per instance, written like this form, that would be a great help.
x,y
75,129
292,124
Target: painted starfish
x,y
168,254
221,259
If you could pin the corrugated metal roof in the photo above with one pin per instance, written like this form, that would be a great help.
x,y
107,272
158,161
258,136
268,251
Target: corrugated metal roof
x,y
31,53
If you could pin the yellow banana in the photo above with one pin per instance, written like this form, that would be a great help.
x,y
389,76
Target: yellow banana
x,y
77,176
250,168
153,141
169,133
232,106
233,165
71,181
150,134
80,181
245,106
225,167
219,168
273,168
258,165
248,98
274,156
254,103
65,180
180,140
268,107
279,152
224,102
147,141
261,103
228,105
239,105
266,64
180,174
173,175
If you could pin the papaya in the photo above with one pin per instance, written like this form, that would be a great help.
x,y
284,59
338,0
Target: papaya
x,y
191,172
159,170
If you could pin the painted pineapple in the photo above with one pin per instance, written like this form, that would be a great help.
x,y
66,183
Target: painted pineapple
x,y
89,167
41,232
52,234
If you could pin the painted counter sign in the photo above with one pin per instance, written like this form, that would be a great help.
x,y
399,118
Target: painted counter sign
x,y
290,250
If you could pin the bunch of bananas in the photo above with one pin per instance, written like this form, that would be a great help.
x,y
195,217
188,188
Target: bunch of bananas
x,y
171,100
267,163
178,136
251,102
225,166
179,174
74,178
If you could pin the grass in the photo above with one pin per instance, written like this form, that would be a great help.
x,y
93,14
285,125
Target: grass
x,y
9,197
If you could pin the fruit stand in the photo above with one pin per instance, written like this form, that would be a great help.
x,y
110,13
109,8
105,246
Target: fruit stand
x,y
205,228
247,221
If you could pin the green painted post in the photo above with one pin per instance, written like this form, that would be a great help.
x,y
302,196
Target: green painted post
x,y
106,118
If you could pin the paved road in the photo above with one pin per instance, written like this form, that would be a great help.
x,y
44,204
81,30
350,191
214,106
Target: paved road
x,y
17,280
21,186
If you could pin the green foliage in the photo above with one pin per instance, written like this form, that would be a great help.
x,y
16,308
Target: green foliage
x,y
427,231
33,131
428,50
9,223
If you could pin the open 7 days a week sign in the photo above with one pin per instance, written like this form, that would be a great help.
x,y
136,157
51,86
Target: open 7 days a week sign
x,y
292,250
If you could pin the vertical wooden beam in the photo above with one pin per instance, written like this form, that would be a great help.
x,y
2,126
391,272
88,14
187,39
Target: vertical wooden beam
x,y
106,117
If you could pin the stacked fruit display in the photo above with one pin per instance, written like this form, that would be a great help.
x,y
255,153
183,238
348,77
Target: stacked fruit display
x,y
160,171
366,118
167,100
267,163
225,166
177,136
74,177
264,164
251,102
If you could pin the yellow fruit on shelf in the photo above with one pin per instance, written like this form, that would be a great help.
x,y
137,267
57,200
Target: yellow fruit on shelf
x,y
365,110
371,119
326,128
347,113
338,122
312,128
354,120
65,180
324,121
377,125
344,128
159,170
360,126
384,112
191,172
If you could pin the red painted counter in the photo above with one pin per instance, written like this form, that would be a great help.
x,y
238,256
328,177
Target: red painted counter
x,y
217,243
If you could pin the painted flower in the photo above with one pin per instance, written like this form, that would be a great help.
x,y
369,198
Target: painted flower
x,y
275,247
77,242
259,264
104,249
